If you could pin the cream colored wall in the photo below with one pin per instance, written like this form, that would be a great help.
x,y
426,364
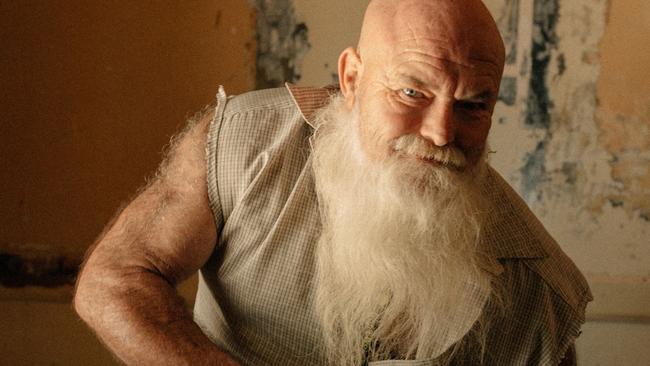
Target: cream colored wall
x,y
333,26
599,131
620,330
624,96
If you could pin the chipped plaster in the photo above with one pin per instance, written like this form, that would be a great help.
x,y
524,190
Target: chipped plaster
x,y
282,42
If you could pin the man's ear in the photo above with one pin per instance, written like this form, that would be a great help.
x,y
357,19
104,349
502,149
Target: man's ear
x,y
349,74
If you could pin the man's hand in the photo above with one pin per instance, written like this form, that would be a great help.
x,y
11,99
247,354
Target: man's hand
x,y
125,291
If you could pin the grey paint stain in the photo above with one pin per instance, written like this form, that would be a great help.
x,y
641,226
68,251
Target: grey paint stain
x,y
570,171
282,42
546,14
533,173
17,271
539,103
508,90
508,23
616,203
561,64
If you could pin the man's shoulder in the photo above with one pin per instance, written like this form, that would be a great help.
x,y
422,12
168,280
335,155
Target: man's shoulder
x,y
264,99
258,136
255,121
517,234
302,98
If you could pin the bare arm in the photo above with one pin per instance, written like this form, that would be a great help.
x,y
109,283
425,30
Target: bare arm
x,y
125,291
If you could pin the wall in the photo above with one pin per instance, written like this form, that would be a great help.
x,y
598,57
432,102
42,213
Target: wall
x,y
87,87
571,133
91,92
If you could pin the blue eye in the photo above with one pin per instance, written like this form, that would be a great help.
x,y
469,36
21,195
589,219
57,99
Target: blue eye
x,y
412,93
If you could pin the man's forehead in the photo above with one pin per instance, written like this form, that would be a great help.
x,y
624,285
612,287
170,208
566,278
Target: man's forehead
x,y
431,50
423,66
460,30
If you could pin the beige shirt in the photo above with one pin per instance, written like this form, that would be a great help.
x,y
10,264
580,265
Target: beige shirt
x,y
255,292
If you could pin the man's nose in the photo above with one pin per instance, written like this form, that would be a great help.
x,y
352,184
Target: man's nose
x,y
438,124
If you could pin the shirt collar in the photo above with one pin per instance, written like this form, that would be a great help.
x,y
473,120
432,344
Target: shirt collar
x,y
512,231
309,100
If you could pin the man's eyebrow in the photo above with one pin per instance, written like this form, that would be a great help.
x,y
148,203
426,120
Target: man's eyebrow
x,y
410,79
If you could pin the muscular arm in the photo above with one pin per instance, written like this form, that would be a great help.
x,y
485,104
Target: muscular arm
x,y
125,291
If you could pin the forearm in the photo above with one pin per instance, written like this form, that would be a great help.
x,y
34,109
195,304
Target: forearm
x,y
142,320
125,291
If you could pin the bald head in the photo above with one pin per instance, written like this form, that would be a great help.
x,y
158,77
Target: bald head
x,y
461,30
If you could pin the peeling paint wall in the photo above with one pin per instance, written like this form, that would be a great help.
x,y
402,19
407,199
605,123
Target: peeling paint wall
x,y
623,115
555,147
571,133
571,130
334,26
282,42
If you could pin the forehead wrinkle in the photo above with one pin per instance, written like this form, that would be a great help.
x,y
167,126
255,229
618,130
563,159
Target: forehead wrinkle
x,y
426,55
421,57
464,26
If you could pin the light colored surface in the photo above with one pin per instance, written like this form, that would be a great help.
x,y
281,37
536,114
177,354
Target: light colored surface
x,y
333,26
624,94
619,299
614,344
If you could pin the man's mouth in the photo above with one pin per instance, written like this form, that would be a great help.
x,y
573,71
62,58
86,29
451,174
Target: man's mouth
x,y
432,160
414,147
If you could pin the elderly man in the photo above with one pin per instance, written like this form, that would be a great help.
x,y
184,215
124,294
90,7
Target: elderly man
x,y
343,227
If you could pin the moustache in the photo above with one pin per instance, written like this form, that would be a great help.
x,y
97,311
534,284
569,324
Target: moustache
x,y
420,148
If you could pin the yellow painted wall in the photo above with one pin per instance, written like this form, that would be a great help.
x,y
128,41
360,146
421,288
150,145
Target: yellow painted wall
x,y
624,97
624,86
90,92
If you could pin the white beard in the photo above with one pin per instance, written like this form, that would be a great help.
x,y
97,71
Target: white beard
x,y
399,267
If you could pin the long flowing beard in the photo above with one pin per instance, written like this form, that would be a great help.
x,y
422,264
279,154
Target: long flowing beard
x,y
399,268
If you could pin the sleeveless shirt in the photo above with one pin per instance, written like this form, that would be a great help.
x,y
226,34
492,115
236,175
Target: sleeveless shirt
x,y
255,292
